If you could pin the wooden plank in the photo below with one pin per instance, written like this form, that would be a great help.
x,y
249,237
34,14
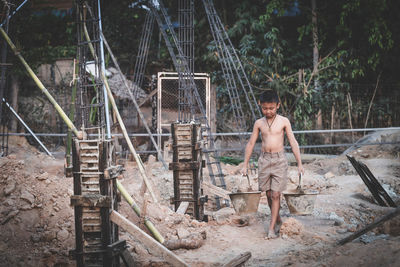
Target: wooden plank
x,y
238,260
92,200
371,226
148,241
182,208
128,259
210,189
183,166
148,97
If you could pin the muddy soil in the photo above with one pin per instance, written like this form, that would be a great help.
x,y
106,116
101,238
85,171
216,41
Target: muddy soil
x,y
37,223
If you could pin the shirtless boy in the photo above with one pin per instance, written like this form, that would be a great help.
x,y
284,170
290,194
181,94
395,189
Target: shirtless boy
x,y
272,164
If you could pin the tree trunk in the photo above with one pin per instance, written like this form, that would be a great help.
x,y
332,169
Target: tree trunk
x,y
315,41
319,120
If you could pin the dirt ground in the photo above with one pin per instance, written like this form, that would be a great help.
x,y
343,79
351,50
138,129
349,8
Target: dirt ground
x,y
37,229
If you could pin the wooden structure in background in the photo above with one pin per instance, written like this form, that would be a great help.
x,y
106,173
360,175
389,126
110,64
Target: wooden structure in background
x,y
187,168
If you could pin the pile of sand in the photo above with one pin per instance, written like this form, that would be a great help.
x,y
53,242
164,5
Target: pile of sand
x,y
291,227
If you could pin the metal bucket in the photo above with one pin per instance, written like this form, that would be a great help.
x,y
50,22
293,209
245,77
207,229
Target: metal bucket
x,y
245,202
301,202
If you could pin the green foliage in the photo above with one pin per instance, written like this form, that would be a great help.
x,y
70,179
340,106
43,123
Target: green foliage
x,y
42,36
230,160
357,40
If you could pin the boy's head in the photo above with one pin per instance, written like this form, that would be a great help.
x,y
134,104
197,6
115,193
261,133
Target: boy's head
x,y
269,102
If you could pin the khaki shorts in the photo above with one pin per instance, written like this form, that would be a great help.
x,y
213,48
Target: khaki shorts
x,y
272,171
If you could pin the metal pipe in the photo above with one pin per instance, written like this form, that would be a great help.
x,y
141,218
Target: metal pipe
x,y
26,126
231,134
15,11
103,69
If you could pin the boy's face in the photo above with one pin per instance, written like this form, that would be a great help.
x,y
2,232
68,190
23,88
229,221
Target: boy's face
x,y
269,109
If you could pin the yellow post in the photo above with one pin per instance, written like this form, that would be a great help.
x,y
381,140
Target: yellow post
x,y
41,86
136,209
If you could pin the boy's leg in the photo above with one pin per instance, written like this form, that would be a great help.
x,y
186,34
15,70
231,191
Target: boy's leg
x,y
275,207
269,198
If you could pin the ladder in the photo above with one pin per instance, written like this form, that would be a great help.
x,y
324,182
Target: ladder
x,y
228,73
211,154
230,60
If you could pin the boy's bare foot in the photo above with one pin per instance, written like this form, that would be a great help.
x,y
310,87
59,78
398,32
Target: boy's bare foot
x,y
277,227
271,235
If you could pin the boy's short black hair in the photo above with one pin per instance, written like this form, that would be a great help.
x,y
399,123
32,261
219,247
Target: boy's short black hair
x,y
269,96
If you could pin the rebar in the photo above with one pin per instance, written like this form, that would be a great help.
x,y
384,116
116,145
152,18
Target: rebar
x,y
143,52
90,95
229,57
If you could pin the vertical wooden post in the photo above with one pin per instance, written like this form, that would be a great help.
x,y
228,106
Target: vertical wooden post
x,y
77,209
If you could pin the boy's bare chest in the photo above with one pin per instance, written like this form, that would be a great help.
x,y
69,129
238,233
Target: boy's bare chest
x,y
272,129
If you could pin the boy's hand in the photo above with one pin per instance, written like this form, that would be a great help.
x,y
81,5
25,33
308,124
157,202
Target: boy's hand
x,y
300,169
244,171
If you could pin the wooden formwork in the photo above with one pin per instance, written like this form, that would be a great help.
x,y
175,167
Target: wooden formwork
x,y
187,168
95,195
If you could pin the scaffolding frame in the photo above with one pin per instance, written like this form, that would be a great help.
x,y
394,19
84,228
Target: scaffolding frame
x,y
212,154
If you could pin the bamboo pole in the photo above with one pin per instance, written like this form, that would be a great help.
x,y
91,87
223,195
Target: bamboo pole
x,y
136,209
137,106
123,128
128,140
372,100
41,86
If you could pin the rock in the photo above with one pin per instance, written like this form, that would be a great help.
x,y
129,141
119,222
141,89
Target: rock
x,y
9,216
42,176
182,232
46,253
341,231
177,220
329,175
338,220
35,238
27,196
12,156
26,207
9,202
49,236
195,223
62,235
10,187
222,215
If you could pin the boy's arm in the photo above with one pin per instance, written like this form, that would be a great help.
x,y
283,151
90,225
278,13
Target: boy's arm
x,y
294,145
250,147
